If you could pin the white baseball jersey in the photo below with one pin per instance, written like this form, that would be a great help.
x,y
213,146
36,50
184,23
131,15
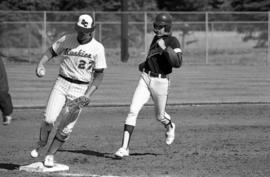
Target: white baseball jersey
x,y
79,60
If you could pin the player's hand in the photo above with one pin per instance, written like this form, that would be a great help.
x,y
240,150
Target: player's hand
x,y
141,66
161,44
40,71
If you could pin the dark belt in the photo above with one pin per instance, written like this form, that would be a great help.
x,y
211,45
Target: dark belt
x,y
152,74
73,80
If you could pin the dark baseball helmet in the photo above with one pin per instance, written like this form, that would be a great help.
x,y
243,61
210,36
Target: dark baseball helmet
x,y
163,20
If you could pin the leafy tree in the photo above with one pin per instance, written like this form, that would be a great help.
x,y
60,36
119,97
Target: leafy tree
x,y
215,4
73,5
248,5
60,5
31,33
257,32
189,5
29,5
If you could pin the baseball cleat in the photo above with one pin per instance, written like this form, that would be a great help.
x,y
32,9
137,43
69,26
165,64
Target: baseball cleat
x,y
122,152
170,134
34,153
49,161
6,120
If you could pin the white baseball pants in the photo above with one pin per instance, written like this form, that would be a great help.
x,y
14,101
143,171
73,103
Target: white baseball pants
x,y
62,91
147,87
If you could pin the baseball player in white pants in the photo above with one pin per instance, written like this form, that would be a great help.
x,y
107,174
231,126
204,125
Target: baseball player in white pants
x,y
80,74
164,54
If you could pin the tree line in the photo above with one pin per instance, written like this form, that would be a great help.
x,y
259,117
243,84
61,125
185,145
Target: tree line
x,y
136,5
258,33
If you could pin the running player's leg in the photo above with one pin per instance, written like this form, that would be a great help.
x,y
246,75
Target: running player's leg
x,y
164,118
160,96
66,124
159,89
140,97
63,131
54,106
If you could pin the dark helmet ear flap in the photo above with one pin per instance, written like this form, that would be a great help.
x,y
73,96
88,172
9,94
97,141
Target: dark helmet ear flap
x,y
167,28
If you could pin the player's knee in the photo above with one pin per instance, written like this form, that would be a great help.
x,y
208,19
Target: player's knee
x,y
131,119
130,122
63,134
45,130
48,120
133,112
132,116
47,126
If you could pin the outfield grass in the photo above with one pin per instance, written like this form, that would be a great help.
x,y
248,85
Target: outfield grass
x,y
190,84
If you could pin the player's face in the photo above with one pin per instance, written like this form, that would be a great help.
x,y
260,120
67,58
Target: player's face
x,y
159,29
84,37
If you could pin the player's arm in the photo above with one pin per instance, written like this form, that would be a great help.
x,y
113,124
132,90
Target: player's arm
x,y
49,54
97,80
54,50
173,55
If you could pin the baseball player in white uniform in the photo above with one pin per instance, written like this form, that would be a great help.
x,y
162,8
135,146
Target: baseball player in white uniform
x,y
81,72
164,54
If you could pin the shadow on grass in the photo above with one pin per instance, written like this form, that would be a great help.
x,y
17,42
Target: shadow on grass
x,y
89,152
145,154
106,155
9,166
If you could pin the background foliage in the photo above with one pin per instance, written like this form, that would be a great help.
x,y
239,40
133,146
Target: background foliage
x,y
251,32
136,5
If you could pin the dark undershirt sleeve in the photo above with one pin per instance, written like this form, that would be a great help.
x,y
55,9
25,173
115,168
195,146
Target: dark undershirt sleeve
x,y
54,54
98,77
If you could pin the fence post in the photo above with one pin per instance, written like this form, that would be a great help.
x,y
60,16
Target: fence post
x,y
29,38
268,51
124,31
145,32
206,38
44,31
100,32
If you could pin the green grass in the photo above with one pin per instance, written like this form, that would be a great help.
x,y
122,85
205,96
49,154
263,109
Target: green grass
x,y
190,84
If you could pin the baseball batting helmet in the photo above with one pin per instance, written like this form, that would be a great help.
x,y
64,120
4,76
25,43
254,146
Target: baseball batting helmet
x,y
85,24
163,20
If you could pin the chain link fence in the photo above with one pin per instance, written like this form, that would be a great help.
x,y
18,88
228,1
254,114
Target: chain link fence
x,y
206,37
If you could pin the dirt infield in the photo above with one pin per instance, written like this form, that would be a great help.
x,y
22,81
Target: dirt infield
x,y
226,140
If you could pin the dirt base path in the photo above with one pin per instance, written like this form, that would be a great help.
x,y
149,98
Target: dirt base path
x,y
211,141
